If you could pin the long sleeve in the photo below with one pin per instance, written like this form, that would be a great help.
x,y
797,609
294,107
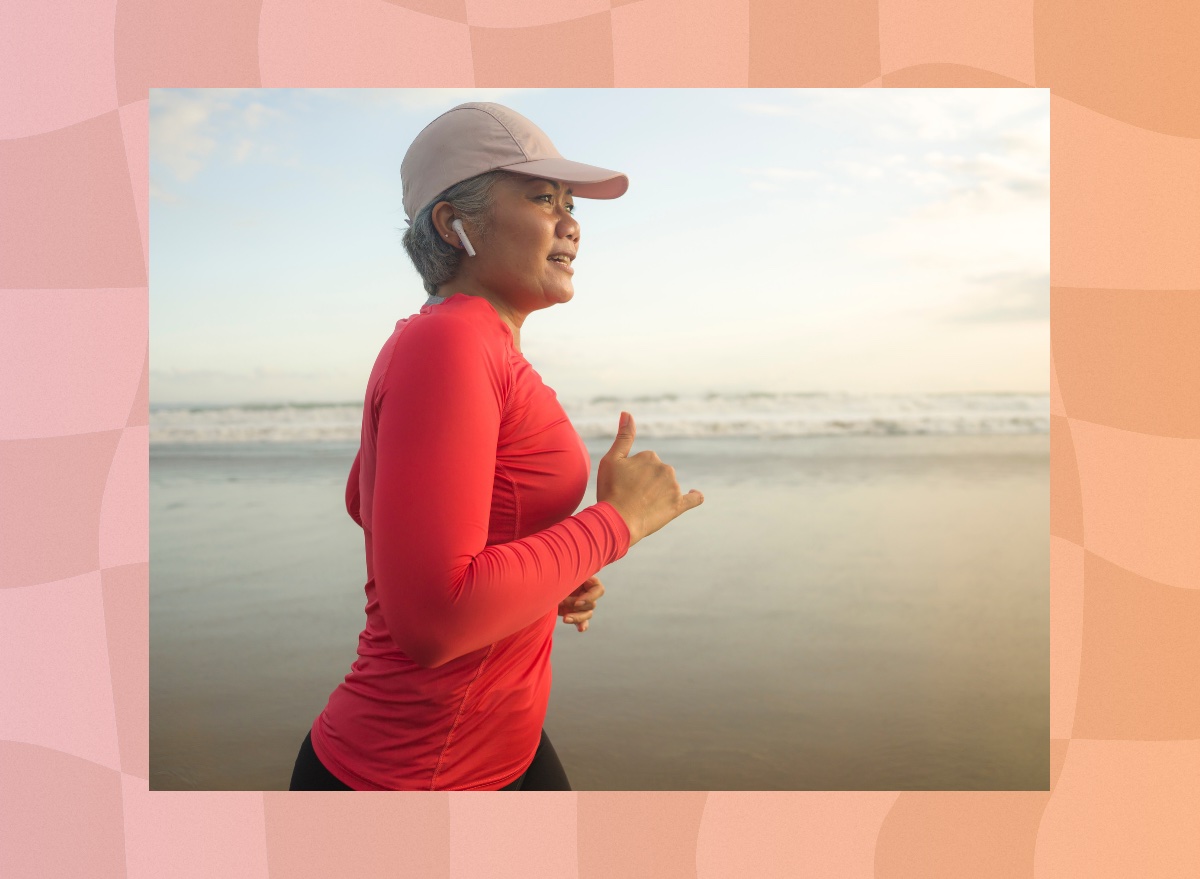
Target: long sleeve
x,y
442,590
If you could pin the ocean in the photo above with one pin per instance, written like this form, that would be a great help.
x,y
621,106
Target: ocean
x,y
861,602
766,415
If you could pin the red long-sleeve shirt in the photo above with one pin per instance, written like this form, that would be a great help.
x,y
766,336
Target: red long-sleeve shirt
x,y
464,484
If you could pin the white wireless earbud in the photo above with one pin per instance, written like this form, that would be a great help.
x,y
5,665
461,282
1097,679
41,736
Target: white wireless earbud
x,y
456,225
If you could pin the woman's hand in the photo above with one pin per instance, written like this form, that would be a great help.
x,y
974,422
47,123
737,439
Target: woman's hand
x,y
641,488
578,607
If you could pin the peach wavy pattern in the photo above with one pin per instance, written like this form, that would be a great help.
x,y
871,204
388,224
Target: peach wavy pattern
x,y
125,591
948,76
69,221
1123,809
1125,203
67,704
1128,357
982,835
340,44
489,838
169,43
824,43
994,36
1066,500
1124,794
1056,401
1115,59
61,815
317,835
794,833
1139,654
639,834
568,54
50,510
1066,627
135,133
52,77
50,342
530,13
193,835
710,44
1140,493
450,10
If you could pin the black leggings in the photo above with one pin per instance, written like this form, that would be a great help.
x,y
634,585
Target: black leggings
x,y
544,773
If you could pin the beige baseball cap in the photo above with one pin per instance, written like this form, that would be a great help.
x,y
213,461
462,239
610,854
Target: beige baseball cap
x,y
474,138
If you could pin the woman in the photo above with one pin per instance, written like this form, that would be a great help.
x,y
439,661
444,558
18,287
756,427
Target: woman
x,y
466,479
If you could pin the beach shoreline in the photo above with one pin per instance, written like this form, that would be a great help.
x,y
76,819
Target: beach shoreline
x,y
864,612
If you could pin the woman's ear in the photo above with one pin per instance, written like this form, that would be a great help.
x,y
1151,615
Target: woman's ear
x,y
443,216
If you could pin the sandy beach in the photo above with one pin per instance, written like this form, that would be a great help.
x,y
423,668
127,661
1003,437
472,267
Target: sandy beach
x,y
865,612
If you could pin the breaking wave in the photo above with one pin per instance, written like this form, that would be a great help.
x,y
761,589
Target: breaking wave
x,y
757,414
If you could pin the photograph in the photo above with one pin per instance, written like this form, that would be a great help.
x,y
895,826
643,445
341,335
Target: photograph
x,y
756,499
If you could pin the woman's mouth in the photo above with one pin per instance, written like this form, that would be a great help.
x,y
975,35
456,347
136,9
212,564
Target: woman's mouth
x,y
563,262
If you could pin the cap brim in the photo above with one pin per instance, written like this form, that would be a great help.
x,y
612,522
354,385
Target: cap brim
x,y
586,181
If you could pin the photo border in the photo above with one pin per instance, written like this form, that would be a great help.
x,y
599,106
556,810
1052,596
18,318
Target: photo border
x,y
1125,439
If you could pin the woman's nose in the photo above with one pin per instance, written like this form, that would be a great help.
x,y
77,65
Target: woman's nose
x,y
568,226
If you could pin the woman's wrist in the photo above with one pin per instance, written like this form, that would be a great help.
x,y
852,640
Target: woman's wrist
x,y
624,519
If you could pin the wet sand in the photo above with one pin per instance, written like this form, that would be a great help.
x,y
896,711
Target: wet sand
x,y
850,613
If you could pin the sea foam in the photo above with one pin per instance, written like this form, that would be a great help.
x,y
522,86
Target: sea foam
x,y
768,415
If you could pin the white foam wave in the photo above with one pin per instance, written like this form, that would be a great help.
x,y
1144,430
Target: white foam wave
x,y
337,422
666,415
788,415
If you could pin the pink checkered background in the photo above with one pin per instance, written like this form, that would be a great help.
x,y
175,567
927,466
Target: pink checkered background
x,y
1124,789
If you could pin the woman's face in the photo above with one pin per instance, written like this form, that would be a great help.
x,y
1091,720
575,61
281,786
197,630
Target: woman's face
x,y
525,255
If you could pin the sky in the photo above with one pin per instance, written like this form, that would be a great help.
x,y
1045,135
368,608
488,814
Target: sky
x,y
776,240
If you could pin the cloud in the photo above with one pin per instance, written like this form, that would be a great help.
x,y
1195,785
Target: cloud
x,y
981,182
158,193
968,231
1031,140
854,170
776,179
1005,297
925,179
761,109
918,115
191,127
787,173
858,170
255,113
954,114
932,115
181,131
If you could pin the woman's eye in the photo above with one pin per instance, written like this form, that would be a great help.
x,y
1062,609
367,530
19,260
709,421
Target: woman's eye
x,y
549,197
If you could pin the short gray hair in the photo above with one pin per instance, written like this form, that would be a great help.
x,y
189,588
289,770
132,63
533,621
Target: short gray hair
x,y
435,260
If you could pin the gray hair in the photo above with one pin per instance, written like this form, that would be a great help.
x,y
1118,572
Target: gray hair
x,y
435,260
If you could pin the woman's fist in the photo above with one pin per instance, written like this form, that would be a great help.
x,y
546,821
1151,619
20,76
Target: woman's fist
x,y
640,487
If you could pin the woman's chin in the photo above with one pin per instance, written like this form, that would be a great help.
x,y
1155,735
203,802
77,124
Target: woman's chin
x,y
559,296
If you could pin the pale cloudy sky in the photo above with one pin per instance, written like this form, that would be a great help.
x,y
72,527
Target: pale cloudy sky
x,y
875,240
